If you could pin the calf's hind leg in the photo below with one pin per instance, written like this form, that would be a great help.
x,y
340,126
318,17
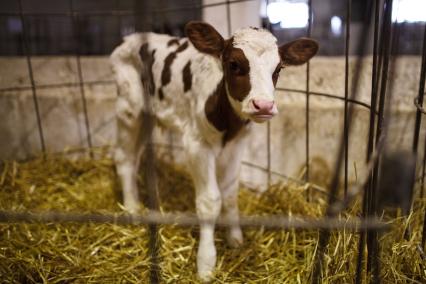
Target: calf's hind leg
x,y
126,156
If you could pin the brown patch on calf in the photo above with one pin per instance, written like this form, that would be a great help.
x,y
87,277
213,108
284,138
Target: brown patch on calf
x,y
218,108
236,68
147,76
221,115
166,74
205,38
236,71
187,77
299,51
173,41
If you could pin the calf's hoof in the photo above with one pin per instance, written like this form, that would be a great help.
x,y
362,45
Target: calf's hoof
x,y
235,237
205,276
206,263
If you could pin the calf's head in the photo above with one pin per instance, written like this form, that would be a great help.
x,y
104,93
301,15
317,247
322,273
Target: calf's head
x,y
251,62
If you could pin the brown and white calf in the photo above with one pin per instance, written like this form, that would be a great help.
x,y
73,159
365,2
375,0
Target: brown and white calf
x,y
209,90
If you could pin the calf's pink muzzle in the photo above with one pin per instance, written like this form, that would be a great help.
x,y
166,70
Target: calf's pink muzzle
x,y
263,109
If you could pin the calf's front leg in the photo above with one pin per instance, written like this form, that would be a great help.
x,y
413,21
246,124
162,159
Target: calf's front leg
x,y
228,173
208,205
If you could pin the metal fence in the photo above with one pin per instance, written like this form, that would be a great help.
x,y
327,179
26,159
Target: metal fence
x,y
378,24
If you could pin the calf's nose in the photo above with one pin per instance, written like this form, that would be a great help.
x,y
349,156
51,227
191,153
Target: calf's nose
x,y
263,105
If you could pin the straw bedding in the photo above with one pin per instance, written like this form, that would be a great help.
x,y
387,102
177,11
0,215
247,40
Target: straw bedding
x,y
107,253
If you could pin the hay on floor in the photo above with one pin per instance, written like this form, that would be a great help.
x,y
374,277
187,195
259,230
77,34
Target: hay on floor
x,y
107,253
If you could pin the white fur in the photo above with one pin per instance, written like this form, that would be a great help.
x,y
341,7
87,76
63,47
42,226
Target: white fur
x,y
214,168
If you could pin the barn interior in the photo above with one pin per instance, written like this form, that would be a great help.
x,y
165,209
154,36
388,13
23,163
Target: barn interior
x,y
338,191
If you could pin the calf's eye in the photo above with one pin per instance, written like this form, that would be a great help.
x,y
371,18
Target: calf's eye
x,y
235,68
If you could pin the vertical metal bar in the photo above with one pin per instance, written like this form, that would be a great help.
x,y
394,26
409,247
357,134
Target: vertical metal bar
x,y
268,127
76,33
422,187
372,237
420,97
424,232
387,40
117,90
118,17
422,183
324,233
153,200
370,143
170,136
394,33
161,17
345,118
268,150
140,17
195,14
228,17
376,78
361,246
308,34
31,75
150,176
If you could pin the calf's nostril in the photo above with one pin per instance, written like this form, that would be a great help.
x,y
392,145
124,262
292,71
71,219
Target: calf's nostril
x,y
256,106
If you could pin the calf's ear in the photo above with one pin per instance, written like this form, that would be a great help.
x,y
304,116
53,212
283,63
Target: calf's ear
x,y
298,52
205,38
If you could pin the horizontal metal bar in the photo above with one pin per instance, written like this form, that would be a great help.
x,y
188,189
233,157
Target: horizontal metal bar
x,y
111,82
331,96
252,165
58,85
190,219
121,12
292,179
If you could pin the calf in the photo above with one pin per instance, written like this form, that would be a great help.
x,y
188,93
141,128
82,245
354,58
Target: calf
x,y
209,90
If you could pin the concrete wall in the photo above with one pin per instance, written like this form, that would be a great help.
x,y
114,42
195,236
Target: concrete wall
x,y
63,117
